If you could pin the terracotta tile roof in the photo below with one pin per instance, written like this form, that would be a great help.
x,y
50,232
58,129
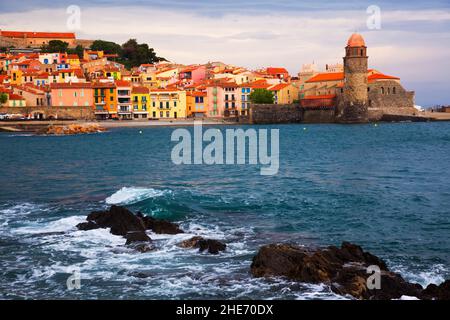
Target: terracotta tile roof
x,y
380,76
324,96
278,87
71,85
73,57
122,83
273,71
327,76
196,94
140,90
29,34
13,96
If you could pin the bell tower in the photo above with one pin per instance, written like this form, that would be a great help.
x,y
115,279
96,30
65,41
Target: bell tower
x,y
355,93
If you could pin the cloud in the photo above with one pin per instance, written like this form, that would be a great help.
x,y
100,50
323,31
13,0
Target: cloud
x,y
412,44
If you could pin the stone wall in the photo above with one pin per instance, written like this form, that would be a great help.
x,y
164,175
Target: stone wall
x,y
275,113
49,112
324,115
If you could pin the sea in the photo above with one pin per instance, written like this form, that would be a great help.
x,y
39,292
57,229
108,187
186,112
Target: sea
x,y
383,186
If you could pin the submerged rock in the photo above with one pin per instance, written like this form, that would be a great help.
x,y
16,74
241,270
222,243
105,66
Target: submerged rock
x,y
160,226
344,269
210,245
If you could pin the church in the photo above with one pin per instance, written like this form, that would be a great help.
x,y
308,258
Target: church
x,y
358,94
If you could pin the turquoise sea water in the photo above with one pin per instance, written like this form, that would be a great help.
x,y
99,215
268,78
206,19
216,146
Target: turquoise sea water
x,y
386,188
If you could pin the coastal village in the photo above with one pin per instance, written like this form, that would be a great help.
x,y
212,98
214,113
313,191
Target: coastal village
x,y
96,86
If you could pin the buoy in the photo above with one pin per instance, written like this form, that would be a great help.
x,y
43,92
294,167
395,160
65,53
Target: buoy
x,y
304,129
140,131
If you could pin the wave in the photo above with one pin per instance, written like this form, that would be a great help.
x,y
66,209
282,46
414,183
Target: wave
x,y
130,195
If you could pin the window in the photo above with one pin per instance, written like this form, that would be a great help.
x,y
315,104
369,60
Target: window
x,y
75,94
111,98
175,104
382,90
161,105
167,105
394,90
111,90
60,92
167,114
161,114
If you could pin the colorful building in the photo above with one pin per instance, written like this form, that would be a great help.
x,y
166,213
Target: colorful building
x,y
123,99
105,100
196,103
167,103
284,93
140,99
72,94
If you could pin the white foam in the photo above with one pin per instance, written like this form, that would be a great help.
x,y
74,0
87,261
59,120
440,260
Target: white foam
x,y
61,225
129,195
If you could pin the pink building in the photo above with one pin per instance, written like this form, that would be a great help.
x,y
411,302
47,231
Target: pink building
x,y
194,73
72,94
223,100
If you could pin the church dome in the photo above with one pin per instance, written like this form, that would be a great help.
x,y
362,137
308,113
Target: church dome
x,y
356,40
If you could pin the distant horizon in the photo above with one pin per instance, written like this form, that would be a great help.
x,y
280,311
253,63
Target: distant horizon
x,y
413,42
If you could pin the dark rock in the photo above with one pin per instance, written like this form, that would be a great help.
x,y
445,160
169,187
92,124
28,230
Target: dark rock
x,y
119,219
352,280
190,243
137,236
434,292
344,269
210,245
160,226
85,226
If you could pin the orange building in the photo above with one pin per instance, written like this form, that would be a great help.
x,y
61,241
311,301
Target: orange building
x,y
105,100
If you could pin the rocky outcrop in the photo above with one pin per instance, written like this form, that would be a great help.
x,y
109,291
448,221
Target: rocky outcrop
x,y
72,129
159,226
345,269
123,222
434,292
210,245
119,219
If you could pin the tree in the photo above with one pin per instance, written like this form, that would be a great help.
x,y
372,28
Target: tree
x,y
55,46
79,50
3,98
135,54
262,96
107,47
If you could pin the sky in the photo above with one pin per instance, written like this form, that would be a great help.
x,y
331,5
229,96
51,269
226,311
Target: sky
x,y
412,41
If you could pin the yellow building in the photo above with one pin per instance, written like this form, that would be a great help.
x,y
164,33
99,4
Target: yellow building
x,y
167,104
284,93
140,102
112,72
73,60
16,77
196,104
